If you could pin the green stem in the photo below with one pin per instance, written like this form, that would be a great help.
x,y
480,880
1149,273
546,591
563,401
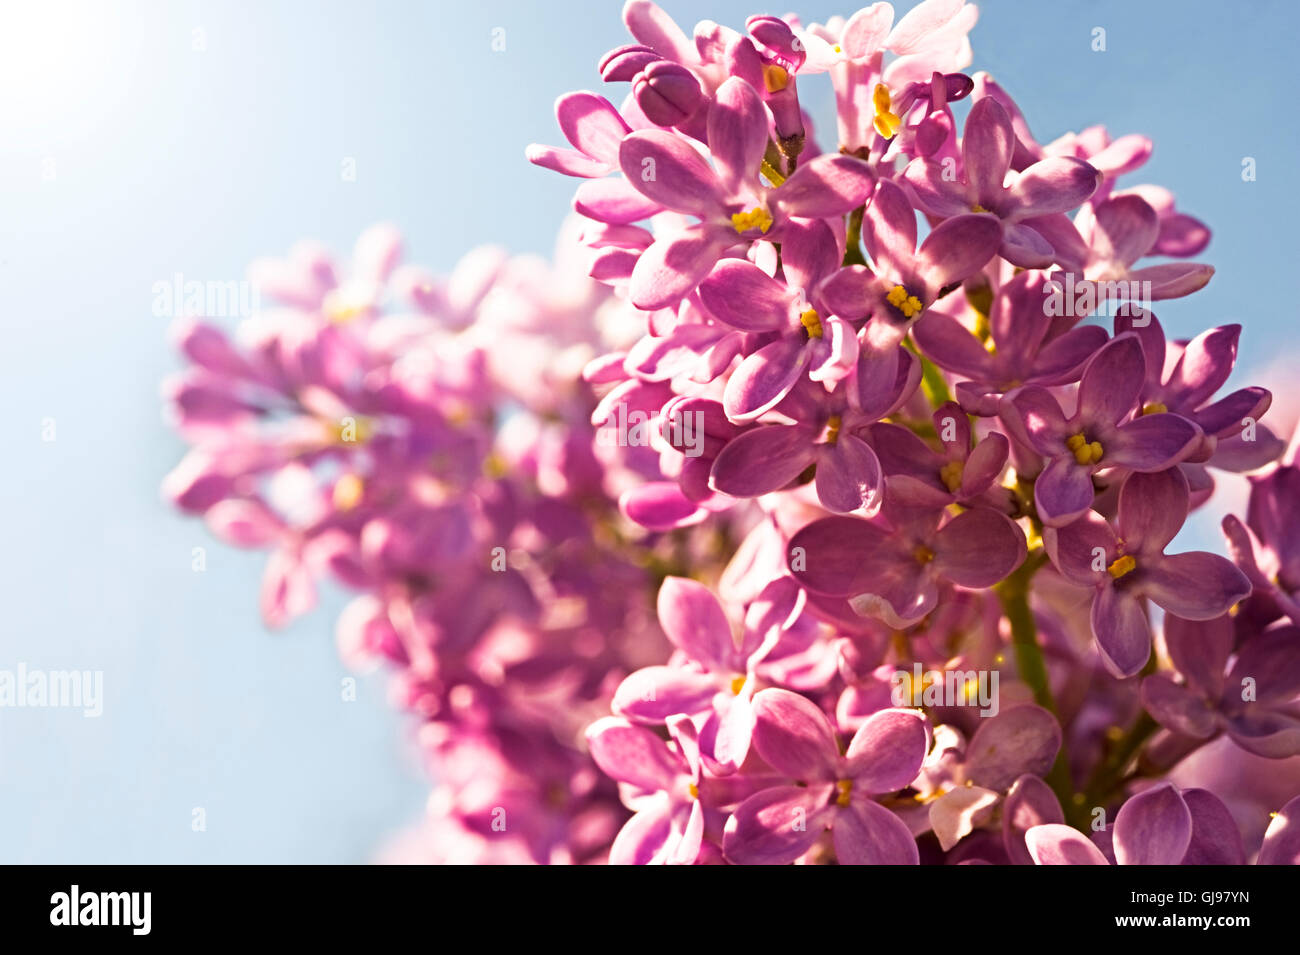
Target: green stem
x,y
1013,593
853,238
1111,773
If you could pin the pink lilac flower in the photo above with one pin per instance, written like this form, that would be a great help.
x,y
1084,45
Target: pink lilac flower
x,y
1126,563
829,790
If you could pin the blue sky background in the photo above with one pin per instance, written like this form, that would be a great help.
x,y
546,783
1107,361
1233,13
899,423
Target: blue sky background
x,y
166,158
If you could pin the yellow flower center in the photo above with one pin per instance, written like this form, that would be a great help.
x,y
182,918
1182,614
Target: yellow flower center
x,y
1085,451
1121,566
812,323
978,208
695,790
348,491
845,788
737,684
756,218
886,122
951,474
909,305
923,554
1155,407
775,78
833,425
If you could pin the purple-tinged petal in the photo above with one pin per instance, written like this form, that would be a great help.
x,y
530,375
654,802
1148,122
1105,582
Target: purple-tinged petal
x,y
1216,840
613,201
840,556
951,346
1152,508
592,125
886,752
1196,585
794,736
1063,492
1056,184
935,191
763,460
1124,229
987,144
642,839
1112,381
977,548
867,833
778,825
1272,660
1020,740
1153,828
660,506
654,28
1034,411
1227,416
1058,844
1062,358
1123,633
1182,236
743,296
1153,442
653,694
692,619
889,231
849,477
1030,802
567,162
633,754
665,168
1199,650
737,132
1272,734
1172,280
825,186
956,249
764,378
675,264
985,464
1203,367
851,292
1177,707
1024,247
1077,549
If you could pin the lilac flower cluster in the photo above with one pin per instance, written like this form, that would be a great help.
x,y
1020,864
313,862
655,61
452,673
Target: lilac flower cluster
x,y
426,444
926,380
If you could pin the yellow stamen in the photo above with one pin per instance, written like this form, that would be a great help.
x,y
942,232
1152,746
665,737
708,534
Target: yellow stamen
x,y
695,790
951,474
1085,451
1121,566
348,491
1155,407
923,554
737,684
775,78
978,208
886,122
909,305
812,323
833,424
756,218
845,787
